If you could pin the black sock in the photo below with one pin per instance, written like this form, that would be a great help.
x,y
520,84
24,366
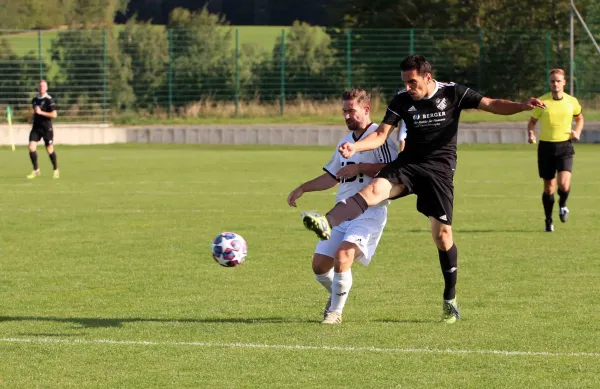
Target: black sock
x,y
548,201
53,159
449,263
33,156
350,209
562,198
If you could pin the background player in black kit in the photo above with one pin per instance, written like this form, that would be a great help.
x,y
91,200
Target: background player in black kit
x,y
431,111
44,110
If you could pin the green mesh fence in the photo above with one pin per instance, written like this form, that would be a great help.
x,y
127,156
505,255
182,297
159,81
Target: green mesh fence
x,y
151,71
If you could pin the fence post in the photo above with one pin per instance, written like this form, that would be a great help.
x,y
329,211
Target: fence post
x,y
479,60
548,52
104,75
349,58
170,83
40,54
237,68
411,45
282,97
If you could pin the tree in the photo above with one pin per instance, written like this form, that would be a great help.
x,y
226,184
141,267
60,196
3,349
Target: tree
x,y
91,71
203,56
146,47
309,61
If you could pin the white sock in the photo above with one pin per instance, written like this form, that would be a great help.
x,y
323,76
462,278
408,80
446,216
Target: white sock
x,y
325,279
340,288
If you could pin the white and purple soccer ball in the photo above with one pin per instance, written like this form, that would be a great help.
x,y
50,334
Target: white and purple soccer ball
x,y
229,249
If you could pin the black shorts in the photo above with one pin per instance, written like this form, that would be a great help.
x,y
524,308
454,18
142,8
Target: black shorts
x,y
38,134
434,187
553,157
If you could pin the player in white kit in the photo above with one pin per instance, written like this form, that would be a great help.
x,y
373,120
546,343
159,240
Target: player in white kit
x,y
356,239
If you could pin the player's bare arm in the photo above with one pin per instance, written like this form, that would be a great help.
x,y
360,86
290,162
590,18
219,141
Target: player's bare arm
x,y
323,182
353,170
531,130
370,142
507,107
579,121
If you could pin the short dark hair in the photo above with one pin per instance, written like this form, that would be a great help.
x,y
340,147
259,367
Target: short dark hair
x,y
416,62
360,95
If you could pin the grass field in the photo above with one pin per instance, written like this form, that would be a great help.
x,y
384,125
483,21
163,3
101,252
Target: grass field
x,y
30,42
106,277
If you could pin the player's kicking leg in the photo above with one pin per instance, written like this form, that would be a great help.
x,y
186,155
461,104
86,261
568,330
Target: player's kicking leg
x,y
378,190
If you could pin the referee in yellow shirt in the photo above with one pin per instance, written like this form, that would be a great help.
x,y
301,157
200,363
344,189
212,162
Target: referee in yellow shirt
x,y
555,151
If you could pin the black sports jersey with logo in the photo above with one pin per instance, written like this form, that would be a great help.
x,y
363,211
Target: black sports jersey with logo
x,y
432,123
46,104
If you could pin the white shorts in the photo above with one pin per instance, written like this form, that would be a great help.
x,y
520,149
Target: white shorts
x,y
364,231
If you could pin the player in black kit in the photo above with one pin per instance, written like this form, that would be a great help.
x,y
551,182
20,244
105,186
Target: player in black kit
x,y
431,111
44,110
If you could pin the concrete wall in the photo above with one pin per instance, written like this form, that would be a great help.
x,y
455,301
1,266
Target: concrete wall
x,y
85,134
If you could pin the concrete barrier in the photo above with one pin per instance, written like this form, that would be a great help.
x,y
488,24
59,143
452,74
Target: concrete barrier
x,y
273,134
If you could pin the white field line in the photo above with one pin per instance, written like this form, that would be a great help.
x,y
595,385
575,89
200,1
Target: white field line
x,y
300,347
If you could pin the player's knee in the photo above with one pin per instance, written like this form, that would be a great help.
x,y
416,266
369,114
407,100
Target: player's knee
x,y
321,264
443,238
376,191
345,256
549,187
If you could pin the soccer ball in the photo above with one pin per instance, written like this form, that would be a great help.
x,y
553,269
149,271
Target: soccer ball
x,y
229,249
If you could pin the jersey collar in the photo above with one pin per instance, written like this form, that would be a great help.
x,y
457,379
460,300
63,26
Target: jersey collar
x,y
434,91
42,97
362,133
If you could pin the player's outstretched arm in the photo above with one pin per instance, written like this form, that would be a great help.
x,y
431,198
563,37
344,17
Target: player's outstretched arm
x,y
507,107
370,142
323,182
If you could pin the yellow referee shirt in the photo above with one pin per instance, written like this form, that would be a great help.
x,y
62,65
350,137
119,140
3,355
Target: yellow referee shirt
x,y
557,118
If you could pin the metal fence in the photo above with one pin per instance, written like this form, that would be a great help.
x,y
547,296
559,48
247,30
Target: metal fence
x,y
150,71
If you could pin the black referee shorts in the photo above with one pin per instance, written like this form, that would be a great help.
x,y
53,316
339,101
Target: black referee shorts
x,y
434,187
38,134
553,157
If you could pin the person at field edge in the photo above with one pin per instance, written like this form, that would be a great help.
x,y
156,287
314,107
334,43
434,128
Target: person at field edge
x,y
555,149
44,110
431,111
353,240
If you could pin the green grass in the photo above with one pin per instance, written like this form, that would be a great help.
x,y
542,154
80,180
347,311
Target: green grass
x,y
117,251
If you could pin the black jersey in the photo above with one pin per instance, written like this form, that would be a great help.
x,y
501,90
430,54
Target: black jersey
x,y
432,123
46,104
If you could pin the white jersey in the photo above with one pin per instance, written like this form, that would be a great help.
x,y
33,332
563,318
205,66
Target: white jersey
x,y
350,186
402,131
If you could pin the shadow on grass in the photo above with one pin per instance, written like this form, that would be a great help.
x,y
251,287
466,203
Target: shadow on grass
x,y
86,322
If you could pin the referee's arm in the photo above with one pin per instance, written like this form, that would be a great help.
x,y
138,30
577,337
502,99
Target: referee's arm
x,y
576,133
531,129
